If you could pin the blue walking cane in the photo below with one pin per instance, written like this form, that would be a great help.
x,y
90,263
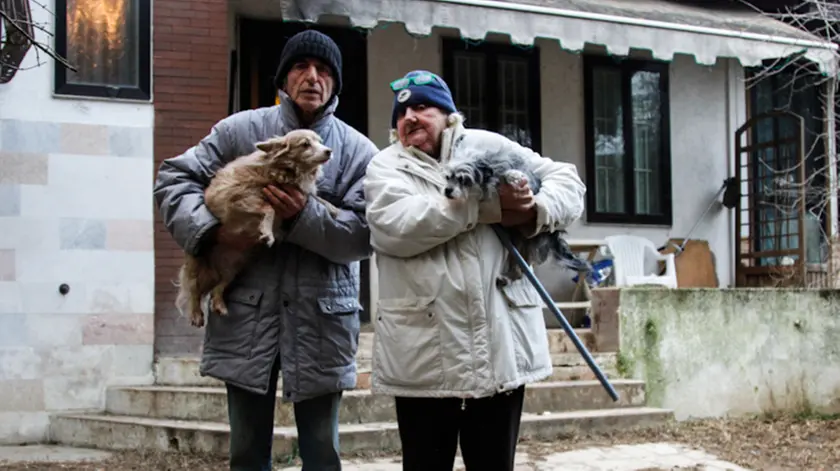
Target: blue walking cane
x,y
505,238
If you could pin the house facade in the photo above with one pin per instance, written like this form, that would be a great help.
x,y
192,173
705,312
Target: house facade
x,y
644,97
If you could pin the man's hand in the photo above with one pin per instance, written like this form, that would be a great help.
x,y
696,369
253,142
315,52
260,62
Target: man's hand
x,y
287,202
518,205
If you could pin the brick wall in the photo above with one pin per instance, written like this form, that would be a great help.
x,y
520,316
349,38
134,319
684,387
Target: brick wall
x,y
191,61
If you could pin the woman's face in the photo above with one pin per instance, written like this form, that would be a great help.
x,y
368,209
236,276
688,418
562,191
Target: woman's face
x,y
421,126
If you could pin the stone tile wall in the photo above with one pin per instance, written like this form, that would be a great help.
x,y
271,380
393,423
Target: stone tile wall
x,y
76,209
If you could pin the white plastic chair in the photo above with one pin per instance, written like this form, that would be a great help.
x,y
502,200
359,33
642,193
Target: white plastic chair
x,y
636,262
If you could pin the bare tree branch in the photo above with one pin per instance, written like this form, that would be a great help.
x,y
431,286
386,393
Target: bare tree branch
x,y
36,43
778,192
19,33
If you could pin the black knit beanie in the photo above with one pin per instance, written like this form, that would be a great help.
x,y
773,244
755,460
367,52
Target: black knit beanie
x,y
310,43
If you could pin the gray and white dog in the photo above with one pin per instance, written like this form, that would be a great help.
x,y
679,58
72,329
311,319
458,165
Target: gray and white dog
x,y
477,169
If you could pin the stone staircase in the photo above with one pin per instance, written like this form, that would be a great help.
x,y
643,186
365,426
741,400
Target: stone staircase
x,y
185,412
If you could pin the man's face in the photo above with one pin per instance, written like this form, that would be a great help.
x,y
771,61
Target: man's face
x,y
310,83
421,126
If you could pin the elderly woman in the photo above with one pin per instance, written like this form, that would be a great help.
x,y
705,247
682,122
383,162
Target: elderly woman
x,y
454,349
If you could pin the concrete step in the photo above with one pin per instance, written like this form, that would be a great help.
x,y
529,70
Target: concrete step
x,y
572,366
135,433
183,371
207,404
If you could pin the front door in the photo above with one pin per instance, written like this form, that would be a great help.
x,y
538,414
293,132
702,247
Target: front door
x,y
770,217
261,43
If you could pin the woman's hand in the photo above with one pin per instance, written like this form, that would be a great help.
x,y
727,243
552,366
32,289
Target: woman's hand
x,y
518,205
516,198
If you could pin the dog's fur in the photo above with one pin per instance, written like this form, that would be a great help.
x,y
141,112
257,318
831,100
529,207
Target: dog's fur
x,y
235,197
474,169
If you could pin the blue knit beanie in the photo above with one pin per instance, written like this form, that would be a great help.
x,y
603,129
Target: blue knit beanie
x,y
420,87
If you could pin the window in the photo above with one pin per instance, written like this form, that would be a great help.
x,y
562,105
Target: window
x,y
108,42
628,168
776,226
496,87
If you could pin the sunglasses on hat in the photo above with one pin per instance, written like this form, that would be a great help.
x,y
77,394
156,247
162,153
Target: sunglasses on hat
x,y
405,82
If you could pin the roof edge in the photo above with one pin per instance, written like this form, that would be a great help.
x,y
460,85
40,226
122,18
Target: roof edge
x,y
628,20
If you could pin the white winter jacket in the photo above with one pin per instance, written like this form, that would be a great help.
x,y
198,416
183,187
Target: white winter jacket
x,y
443,328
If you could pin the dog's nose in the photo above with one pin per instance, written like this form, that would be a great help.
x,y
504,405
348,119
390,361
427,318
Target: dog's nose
x,y
448,192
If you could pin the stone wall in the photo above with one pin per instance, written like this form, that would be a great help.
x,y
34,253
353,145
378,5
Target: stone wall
x,y
730,352
75,210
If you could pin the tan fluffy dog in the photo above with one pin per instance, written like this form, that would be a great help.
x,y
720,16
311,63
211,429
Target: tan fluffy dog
x,y
235,197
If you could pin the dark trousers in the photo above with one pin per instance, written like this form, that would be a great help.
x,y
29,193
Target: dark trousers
x,y
488,429
252,429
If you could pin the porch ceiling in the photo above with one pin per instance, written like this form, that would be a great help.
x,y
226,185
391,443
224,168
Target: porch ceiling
x,y
663,27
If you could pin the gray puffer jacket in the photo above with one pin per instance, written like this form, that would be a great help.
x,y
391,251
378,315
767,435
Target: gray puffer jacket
x,y
299,297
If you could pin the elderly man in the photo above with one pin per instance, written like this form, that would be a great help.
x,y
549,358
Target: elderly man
x,y
295,308
455,349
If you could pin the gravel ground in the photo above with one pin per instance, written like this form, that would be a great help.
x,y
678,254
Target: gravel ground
x,y
761,444
780,443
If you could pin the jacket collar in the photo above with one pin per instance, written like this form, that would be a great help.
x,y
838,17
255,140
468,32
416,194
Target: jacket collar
x,y
288,113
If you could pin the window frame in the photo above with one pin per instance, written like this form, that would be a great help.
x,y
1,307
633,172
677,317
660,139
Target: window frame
x,y
779,83
492,51
141,92
627,67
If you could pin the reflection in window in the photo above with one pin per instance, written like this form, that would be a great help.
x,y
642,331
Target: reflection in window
x,y
513,90
646,138
775,221
628,145
102,42
609,141
496,87
470,84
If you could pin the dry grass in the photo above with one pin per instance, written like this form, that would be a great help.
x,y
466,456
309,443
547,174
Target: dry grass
x,y
766,443
762,444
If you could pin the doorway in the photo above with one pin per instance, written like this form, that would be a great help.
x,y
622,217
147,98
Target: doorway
x,y
262,41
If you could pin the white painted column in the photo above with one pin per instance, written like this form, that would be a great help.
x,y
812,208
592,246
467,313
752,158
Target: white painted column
x,y
831,154
736,115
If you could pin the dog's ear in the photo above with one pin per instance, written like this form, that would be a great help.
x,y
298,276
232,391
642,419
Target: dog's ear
x,y
272,145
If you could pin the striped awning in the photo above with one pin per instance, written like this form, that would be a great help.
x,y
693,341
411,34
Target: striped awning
x,y
663,27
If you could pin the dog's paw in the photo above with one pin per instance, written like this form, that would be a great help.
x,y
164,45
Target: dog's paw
x,y
333,211
267,239
502,281
514,177
219,306
197,319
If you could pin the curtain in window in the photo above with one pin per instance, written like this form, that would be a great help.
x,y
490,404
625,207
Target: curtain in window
x,y
102,42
